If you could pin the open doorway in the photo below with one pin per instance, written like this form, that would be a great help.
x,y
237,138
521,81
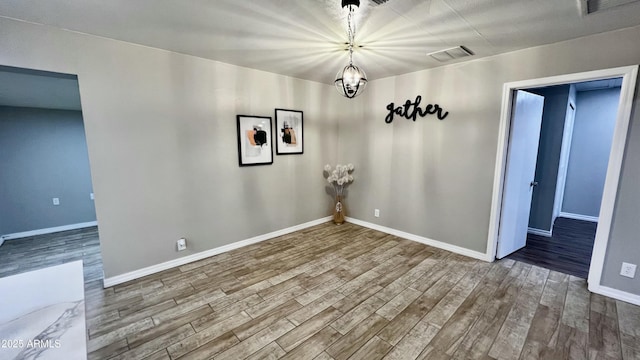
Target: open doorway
x,y
502,201
578,120
47,212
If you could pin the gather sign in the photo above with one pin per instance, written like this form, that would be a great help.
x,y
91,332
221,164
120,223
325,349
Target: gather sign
x,y
411,110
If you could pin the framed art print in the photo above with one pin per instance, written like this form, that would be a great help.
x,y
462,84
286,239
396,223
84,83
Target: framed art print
x,y
289,132
254,140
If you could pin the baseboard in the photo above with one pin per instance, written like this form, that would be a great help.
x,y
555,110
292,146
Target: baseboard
x,y
119,279
534,231
1,240
423,240
615,294
47,230
579,217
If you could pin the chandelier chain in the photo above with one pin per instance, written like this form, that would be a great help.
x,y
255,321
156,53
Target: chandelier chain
x,y
351,80
352,31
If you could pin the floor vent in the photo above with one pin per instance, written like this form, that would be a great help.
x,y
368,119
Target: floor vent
x,y
378,2
451,54
588,7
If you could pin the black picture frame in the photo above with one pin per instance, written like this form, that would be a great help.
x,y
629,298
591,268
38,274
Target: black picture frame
x,y
255,145
289,137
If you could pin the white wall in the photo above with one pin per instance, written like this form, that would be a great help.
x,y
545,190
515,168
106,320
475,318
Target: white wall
x,y
161,135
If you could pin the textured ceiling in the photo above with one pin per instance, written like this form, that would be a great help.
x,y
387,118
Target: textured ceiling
x,y
306,38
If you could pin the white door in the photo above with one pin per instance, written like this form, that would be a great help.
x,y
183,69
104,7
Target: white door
x,y
522,154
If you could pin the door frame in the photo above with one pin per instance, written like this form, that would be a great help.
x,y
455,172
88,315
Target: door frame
x,y
563,166
629,75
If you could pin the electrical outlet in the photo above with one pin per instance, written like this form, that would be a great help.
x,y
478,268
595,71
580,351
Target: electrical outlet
x,y
376,212
181,244
628,270
56,201
91,196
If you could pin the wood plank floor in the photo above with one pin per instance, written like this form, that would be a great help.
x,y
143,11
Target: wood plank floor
x,y
568,250
346,292
37,252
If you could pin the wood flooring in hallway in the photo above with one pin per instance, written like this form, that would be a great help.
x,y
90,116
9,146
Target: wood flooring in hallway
x,y
347,292
568,250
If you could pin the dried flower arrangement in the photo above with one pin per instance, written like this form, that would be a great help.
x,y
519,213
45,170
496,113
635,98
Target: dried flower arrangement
x,y
339,178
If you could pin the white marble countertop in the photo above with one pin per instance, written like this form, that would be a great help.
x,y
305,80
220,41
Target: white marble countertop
x,y
42,314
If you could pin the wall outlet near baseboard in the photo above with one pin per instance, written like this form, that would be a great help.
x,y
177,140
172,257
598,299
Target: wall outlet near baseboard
x,y
628,270
56,201
376,212
91,196
181,244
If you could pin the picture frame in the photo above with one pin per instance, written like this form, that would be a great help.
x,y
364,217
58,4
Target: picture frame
x,y
289,136
255,145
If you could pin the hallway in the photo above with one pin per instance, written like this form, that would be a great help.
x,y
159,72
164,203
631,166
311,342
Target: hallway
x,y
568,251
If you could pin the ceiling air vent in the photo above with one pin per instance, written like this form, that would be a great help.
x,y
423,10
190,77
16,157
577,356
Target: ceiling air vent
x,y
592,6
451,54
378,2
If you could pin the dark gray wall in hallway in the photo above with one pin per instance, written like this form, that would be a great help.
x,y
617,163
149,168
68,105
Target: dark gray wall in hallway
x,y
556,100
43,154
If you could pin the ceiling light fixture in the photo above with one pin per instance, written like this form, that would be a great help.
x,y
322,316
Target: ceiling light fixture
x,y
351,80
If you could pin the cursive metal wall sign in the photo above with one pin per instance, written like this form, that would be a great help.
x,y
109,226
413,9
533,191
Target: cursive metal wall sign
x,y
411,110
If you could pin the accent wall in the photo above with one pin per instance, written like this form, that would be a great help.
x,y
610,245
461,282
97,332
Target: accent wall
x,y
43,155
434,178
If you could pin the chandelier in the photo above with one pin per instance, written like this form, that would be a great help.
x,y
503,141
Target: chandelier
x,y
351,80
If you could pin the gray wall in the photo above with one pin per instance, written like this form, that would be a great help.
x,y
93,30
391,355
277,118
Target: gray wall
x,y
43,154
556,100
623,242
595,121
161,137
435,178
